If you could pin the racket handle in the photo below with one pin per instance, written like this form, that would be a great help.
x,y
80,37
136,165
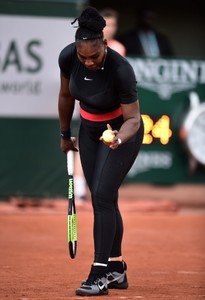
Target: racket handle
x,y
70,162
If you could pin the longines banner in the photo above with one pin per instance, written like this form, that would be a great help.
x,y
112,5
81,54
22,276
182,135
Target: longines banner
x,y
165,89
29,74
168,77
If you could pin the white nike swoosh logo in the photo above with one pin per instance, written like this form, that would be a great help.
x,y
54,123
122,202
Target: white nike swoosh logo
x,y
101,287
89,79
114,279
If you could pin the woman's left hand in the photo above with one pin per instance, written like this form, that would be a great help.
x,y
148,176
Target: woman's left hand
x,y
115,142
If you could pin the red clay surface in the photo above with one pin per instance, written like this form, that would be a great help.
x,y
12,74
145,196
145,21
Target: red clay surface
x,y
164,247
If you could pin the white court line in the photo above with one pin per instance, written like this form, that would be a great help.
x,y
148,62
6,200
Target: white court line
x,y
189,272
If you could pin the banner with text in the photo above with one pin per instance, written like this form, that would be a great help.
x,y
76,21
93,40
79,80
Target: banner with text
x,y
29,73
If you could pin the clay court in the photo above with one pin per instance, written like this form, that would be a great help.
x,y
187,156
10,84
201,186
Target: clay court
x,y
164,246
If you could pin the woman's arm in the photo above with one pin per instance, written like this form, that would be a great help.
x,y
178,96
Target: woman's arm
x,y
131,116
127,90
66,105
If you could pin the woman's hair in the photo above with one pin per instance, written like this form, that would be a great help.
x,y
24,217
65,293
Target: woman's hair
x,y
91,25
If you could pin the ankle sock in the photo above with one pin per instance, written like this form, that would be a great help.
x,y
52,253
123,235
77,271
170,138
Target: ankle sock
x,y
115,266
98,271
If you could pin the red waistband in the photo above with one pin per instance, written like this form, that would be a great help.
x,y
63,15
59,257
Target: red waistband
x,y
101,117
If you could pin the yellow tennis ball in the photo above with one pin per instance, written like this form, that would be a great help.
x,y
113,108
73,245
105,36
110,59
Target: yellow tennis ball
x,y
108,135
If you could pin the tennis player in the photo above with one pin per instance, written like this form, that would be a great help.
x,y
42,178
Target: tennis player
x,y
104,83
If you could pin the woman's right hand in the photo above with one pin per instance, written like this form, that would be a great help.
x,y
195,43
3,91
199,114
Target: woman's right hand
x,y
67,145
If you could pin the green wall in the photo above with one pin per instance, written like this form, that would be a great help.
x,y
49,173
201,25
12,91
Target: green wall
x,y
30,158
52,8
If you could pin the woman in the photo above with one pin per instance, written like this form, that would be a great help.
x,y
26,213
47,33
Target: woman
x,y
104,83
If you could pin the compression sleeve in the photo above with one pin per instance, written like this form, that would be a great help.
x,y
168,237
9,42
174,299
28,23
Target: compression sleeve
x,y
65,60
126,84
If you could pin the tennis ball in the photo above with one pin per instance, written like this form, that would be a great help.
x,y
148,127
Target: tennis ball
x,y
108,135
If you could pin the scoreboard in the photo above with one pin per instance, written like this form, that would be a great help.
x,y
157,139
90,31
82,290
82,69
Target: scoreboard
x,y
156,129
165,87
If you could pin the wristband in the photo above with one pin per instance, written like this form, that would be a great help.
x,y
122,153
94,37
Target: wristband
x,y
65,134
119,141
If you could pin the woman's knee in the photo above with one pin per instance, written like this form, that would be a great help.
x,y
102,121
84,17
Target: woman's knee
x,y
103,200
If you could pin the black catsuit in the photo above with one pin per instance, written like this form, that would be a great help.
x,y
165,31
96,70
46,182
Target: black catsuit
x,y
100,92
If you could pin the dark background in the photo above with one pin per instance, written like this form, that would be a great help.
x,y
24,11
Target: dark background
x,y
183,22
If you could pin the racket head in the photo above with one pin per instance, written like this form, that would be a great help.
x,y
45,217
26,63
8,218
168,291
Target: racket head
x,y
72,228
72,221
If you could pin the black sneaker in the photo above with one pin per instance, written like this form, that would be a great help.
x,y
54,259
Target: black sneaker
x,y
94,286
117,279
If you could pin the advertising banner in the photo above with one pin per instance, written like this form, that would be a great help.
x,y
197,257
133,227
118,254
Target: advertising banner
x,y
165,89
29,73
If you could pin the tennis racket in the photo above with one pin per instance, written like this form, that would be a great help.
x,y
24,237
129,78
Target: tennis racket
x,y
72,221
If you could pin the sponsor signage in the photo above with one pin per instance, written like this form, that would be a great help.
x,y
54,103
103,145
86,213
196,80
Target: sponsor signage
x,y
168,77
29,73
164,87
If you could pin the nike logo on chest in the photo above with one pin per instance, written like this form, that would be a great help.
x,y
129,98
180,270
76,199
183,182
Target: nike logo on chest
x,y
87,79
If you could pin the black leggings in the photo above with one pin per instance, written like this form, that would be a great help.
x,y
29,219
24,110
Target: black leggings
x,y
104,170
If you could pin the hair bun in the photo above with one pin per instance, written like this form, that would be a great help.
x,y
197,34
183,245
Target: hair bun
x,y
91,19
